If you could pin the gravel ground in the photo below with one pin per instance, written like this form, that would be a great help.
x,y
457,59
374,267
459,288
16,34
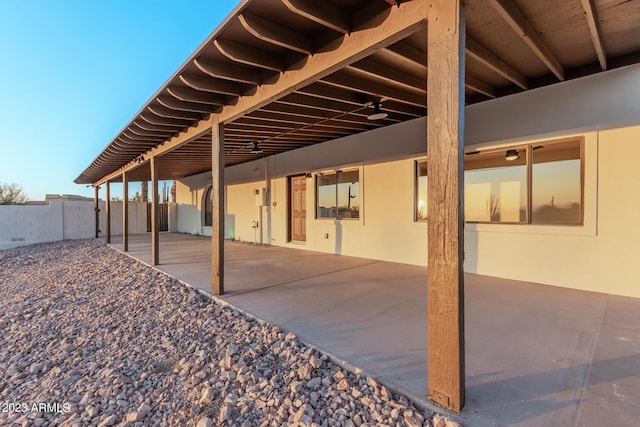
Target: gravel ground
x,y
91,337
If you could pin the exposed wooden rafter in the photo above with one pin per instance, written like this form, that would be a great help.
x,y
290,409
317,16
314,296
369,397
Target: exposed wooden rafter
x,y
393,26
276,34
212,85
173,103
229,71
408,51
147,126
135,137
323,13
594,28
478,86
203,127
512,14
249,55
374,88
306,67
481,54
390,74
154,133
188,94
156,119
168,113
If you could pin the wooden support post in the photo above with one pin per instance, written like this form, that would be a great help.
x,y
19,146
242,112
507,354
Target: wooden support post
x,y
125,212
445,132
217,217
96,208
108,209
155,246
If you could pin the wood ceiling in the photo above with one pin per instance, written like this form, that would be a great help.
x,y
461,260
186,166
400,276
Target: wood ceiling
x,y
511,46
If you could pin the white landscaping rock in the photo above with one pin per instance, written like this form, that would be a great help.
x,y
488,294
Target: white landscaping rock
x,y
123,344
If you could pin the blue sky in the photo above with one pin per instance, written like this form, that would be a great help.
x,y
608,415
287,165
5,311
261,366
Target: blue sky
x,y
74,72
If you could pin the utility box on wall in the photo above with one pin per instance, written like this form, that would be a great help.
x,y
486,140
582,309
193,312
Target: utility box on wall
x,y
262,197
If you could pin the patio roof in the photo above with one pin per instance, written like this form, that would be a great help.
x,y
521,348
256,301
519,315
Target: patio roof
x,y
242,74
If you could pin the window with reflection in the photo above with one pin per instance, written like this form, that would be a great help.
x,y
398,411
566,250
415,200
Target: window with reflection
x,y
556,184
338,195
421,191
497,187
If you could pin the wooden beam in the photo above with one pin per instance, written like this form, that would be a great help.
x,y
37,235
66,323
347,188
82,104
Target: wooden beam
x,y
125,212
155,235
249,55
108,211
333,93
136,131
142,124
314,102
396,24
223,70
96,208
188,94
217,220
408,51
445,148
391,74
155,119
483,55
375,88
480,87
168,113
302,111
127,134
323,13
512,14
208,84
275,34
175,104
594,28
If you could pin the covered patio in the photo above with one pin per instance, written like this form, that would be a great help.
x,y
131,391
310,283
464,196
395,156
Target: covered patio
x,y
282,75
535,355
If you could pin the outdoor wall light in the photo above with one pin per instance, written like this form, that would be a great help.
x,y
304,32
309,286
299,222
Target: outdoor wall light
x,y
377,113
256,149
512,155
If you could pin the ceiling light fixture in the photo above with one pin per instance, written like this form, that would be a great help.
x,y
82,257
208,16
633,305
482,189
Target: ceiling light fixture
x,y
255,149
377,113
512,155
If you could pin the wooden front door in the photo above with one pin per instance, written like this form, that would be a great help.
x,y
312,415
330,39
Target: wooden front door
x,y
297,208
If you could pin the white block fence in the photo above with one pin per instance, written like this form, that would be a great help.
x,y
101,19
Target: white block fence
x,y
63,220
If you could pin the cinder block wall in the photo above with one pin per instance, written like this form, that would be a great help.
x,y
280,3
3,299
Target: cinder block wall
x,y
24,225
64,220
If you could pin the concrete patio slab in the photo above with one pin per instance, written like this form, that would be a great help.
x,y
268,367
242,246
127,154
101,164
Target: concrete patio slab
x,y
536,355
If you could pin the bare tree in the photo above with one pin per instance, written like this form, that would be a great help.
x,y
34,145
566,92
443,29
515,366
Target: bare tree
x,y
12,194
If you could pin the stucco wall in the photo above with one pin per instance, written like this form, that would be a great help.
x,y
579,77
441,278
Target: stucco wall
x,y
597,256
